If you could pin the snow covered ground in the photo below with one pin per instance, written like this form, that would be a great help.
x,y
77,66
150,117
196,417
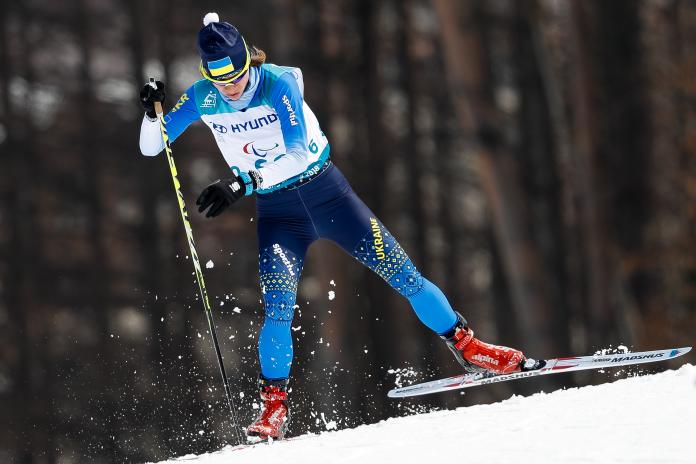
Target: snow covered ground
x,y
648,419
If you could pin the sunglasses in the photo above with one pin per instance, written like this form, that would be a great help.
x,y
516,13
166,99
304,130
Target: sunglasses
x,y
231,83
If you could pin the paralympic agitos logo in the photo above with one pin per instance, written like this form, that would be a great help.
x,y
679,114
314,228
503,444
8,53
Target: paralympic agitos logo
x,y
250,149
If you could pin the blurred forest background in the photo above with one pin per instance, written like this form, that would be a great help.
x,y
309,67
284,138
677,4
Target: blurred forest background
x,y
534,157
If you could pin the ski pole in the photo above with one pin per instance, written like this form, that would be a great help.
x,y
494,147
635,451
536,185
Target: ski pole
x,y
196,262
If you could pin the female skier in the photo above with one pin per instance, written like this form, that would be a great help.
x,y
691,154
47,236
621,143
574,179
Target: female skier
x,y
274,146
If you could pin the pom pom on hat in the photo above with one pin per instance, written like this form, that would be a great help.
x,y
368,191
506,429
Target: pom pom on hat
x,y
211,18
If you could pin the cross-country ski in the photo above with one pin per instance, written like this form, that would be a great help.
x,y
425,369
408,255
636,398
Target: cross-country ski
x,y
544,367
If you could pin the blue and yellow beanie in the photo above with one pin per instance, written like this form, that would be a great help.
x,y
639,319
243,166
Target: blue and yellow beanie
x,y
224,53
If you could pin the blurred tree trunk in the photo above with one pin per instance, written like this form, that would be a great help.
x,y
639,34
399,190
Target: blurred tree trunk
x,y
538,155
665,277
153,270
598,309
34,300
91,182
17,205
550,42
472,89
612,144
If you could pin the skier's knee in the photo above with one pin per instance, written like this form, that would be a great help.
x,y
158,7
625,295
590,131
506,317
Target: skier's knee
x,y
279,269
279,305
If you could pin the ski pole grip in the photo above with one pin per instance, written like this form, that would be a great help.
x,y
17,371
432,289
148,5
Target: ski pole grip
x,y
158,105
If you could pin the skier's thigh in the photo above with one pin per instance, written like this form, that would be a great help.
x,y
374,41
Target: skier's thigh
x,y
346,220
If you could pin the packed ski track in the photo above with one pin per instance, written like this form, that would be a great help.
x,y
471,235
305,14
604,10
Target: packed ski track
x,y
647,419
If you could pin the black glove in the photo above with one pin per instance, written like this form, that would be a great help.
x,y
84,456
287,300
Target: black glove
x,y
222,193
148,97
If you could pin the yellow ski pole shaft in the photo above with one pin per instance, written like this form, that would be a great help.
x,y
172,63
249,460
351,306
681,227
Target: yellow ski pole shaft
x,y
196,263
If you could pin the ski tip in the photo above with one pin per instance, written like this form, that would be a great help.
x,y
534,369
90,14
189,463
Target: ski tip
x,y
679,351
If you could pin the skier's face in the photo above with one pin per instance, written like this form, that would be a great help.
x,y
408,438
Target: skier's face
x,y
233,90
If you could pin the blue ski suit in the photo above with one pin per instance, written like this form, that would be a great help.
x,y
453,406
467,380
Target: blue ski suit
x,y
303,197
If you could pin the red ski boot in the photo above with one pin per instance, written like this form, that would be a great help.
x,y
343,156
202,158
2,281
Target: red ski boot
x,y
273,419
477,356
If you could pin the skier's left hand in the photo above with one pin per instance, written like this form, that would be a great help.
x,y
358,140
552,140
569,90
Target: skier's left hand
x,y
222,193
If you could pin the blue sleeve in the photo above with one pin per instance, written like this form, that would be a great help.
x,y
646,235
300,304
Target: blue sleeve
x,y
286,99
288,102
182,115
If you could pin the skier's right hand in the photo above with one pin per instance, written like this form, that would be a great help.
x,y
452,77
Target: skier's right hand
x,y
149,95
222,193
